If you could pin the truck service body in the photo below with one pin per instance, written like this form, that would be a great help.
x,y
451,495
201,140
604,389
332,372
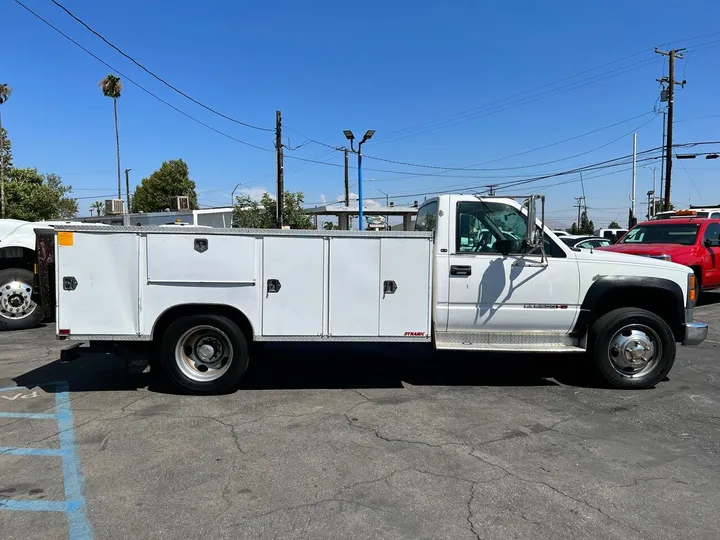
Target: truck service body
x,y
473,276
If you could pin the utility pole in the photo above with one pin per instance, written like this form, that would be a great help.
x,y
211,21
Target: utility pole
x,y
491,189
634,173
280,176
662,164
580,202
127,189
671,82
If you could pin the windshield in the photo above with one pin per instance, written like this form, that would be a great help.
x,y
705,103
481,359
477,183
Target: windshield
x,y
682,233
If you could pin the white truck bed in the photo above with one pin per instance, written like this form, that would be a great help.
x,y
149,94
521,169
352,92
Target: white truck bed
x,y
114,283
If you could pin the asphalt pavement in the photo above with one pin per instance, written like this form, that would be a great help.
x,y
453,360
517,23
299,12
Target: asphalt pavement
x,y
345,442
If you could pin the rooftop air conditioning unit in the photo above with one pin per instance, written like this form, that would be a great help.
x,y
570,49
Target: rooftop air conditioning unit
x,y
114,207
179,203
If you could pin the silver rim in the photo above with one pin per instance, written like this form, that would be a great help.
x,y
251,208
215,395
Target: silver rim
x,y
15,300
203,354
634,350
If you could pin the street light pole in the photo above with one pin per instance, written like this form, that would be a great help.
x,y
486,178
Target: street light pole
x,y
232,196
350,137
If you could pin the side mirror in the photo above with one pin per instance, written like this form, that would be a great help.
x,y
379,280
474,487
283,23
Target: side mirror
x,y
531,236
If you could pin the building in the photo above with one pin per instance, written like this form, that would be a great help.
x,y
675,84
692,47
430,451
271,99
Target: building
x,y
211,217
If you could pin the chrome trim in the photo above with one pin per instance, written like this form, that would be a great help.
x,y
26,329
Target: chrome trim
x,y
695,333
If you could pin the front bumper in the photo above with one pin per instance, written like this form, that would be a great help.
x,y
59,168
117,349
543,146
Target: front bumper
x,y
695,333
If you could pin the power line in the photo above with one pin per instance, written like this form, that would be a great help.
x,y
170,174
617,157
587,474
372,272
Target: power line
x,y
125,77
529,151
151,73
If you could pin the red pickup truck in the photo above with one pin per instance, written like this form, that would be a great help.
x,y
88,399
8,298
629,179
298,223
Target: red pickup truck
x,y
694,242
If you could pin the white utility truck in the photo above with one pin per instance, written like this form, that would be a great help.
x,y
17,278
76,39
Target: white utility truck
x,y
473,276
17,254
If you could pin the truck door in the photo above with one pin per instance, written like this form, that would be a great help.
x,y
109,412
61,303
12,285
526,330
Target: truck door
x,y
711,256
491,292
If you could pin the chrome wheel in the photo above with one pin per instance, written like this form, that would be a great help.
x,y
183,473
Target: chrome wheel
x,y
634,350
203,353
15,300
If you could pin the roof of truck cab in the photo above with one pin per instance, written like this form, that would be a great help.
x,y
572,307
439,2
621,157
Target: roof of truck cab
x,y
675,221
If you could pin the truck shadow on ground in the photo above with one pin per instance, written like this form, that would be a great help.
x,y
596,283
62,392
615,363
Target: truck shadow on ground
x,y
709,299
334,366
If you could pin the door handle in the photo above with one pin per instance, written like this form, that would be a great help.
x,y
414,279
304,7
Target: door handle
x,y
389,287
460,270
273,285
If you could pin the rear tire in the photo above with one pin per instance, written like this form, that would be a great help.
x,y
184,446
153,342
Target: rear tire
x,y
17,310
632,348
205,354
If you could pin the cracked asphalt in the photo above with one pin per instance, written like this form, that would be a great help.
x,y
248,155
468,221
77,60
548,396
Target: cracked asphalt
x,y
327,441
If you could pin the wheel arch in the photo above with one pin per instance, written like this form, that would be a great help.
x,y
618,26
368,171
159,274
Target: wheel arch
x,y
659,295
184,310
17,257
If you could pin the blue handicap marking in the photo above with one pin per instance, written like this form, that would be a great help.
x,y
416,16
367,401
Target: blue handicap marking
x,y
74,506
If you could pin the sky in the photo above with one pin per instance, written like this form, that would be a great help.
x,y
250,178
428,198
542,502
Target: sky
x,y
526,88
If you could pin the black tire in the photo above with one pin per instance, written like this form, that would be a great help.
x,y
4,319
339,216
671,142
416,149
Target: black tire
x,y
651,332
185,370
16,320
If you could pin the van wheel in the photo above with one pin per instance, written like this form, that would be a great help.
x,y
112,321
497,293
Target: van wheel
x,y
17,309
204,353
632,348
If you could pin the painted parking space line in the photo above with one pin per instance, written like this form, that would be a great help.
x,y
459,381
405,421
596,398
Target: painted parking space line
x,y
75,506
15,451
31,416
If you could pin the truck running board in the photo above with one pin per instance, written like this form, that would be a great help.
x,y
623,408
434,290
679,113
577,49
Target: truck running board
x,y
531,342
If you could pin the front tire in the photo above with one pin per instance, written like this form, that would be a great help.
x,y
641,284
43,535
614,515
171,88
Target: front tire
x,y
17,309
205,354
632,348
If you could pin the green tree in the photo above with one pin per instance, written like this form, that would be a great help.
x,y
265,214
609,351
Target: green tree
x,y
32,196
99,207
6,159
172,179
614,225
111,87
574,229
660,206
252,214
586,225
329,226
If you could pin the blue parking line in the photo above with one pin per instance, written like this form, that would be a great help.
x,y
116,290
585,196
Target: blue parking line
x,y
16,451
38,506
30,416
78,523
75,507
21,388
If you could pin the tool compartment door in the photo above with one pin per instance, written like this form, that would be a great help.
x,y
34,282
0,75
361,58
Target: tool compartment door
x,y
97,283
293,286
405,287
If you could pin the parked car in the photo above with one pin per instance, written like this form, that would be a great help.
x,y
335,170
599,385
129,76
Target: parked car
x,y
693,242
611,234
585,242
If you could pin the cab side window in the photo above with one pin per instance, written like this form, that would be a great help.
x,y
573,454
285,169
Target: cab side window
x,y
712,232
426,219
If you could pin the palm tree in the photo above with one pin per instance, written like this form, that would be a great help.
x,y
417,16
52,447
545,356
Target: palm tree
x,y
112,87
99,207
328,226
5,92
